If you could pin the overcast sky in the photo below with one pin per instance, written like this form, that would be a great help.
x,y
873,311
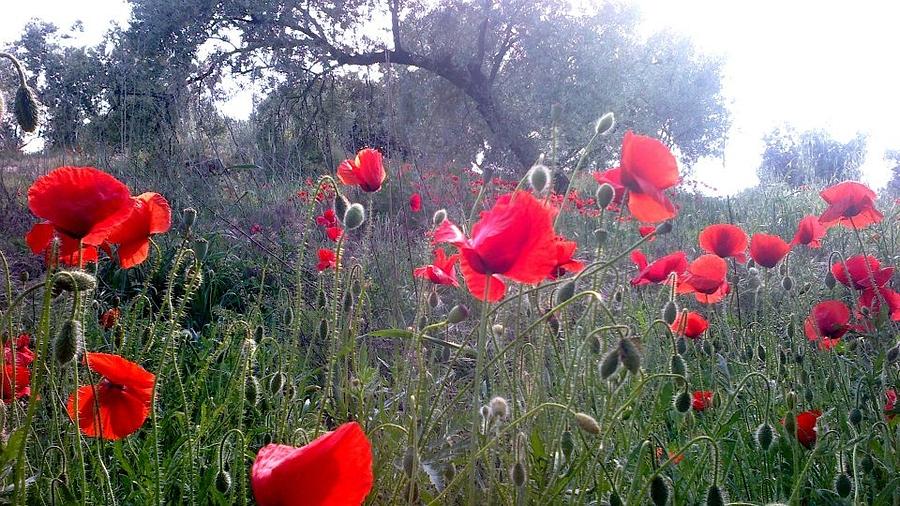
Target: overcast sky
x,y
813,64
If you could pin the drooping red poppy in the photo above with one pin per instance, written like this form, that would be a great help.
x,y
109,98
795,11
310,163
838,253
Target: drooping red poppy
x,y
705,278
693,326
564,261
614,178
514,239
701,399
648,168
22,378
82,203
365,171
872,298
767,250
327,260
151,215
647,230
890,403
809,232
659,270
441,271
806,427
415,202
858,277
827,323
41,234
335,469
851,205
110,317
724,240
24,354
122,400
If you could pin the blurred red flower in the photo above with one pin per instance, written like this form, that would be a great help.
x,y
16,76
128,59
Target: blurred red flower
x,y
724,240
564,261
335,469
859,273
872,298
122,400
109,318
415,202
24,354
151,215
327,219
334,233
890,404
693,326
647,169
22,378
767,250
327,260
806,427
701,399
705,278
365,171
827,323
441,271
647,230
850,204
658,271
809,232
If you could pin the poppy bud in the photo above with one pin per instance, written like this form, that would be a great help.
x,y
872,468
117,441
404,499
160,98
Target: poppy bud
x,y
753,271
787,283
764,436
791,400
601,234
486,413
630,356
782,269
68,341
341,204
188,216
259,333
252,390
605,124
754,282
118,336
681,345
893,353
659,491
610,364
843,486
201,248
439,216
27,109
276,382
868,464
434,300
678,366
517,473
323,329
497,330
664,228
223,482
539,177
682,402
565,292
70,281
587,423
807,393
354,217
615,500
458,314
499,407
855,417
670,312
830,281
348,303
761,352
409,460
604,195
567,444
714,496
790,423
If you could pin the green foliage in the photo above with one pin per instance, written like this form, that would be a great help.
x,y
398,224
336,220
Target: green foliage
x,y
810,157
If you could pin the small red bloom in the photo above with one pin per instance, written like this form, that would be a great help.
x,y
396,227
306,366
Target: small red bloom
x,y
441,271
701,399
806,427
705,278
327,260
661,453
647,169
564,261
24,354
334,233
614,178
514,239
647,230
890,404
872,298
415,202
827,323
859,274
767,250
365,171
122,400
335,469
327,219
691,327
151,215
724,240
22,378
658,271
851,205
809,232
110,317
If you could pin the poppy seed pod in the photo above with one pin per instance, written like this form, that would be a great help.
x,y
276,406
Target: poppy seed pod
x,y
764,436
341,204
659,491
538,178
354,217
458,314
629,354
517,473
26,109
439,216
604,195
68,341
670,312
587,423
499,407
714,496
223,482
610,364
605,124
565,292
843,486
69,281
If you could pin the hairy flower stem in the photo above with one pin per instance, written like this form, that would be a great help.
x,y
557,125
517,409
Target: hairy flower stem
x,y
480,351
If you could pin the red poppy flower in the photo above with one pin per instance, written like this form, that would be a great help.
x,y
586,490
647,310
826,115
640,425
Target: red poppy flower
x,y
614,178
890,403
872,298
827,323
809,232
806,427
859,274
24,354
41,234
658,271
441,271
676,459
119,404
514,239
334,233
701,399
335,469
767,250
365,171
647,230
327,260
327,219
415,202
564,261
705,278
110,317
22,378
850,204
724,240
82,203
691,327
151,215
647,169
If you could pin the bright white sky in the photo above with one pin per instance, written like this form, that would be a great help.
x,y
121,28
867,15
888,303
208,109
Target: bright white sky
x,y
828,64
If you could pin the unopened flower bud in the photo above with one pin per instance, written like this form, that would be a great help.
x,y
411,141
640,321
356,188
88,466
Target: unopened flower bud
x,y
497,330
629,354
681,345
659,491
252,390
843,486
188,217
682,402
27,109
439,216
565,292
201,248
615,500
605,124
539,178
587,423
664,228
434,300
893,353
830,281
517,473
787,283
670,312
677,365
68,343
601,235
409,460
223,482
610,364
791,400
764,436
458,314
276,382
354,217
714,496
867,464
604,195
341,204
73,280
499,407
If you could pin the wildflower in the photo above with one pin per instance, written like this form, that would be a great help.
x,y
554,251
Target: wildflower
x,y
336,468
705,278
647,230
856,273
809,232
692,326
327,219
664,454
327,260
724,240
514,239
767,250
612,178
41,234
647,169
701,399
441,271
890,404
851,205
19,345
22,378
871,299
415,202
109,318
122,400
334,233
564,261
659,270
365,171
805,424
827,323
151,215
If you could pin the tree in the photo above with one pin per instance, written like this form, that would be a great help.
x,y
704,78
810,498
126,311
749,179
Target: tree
x,y
892,156
810,157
